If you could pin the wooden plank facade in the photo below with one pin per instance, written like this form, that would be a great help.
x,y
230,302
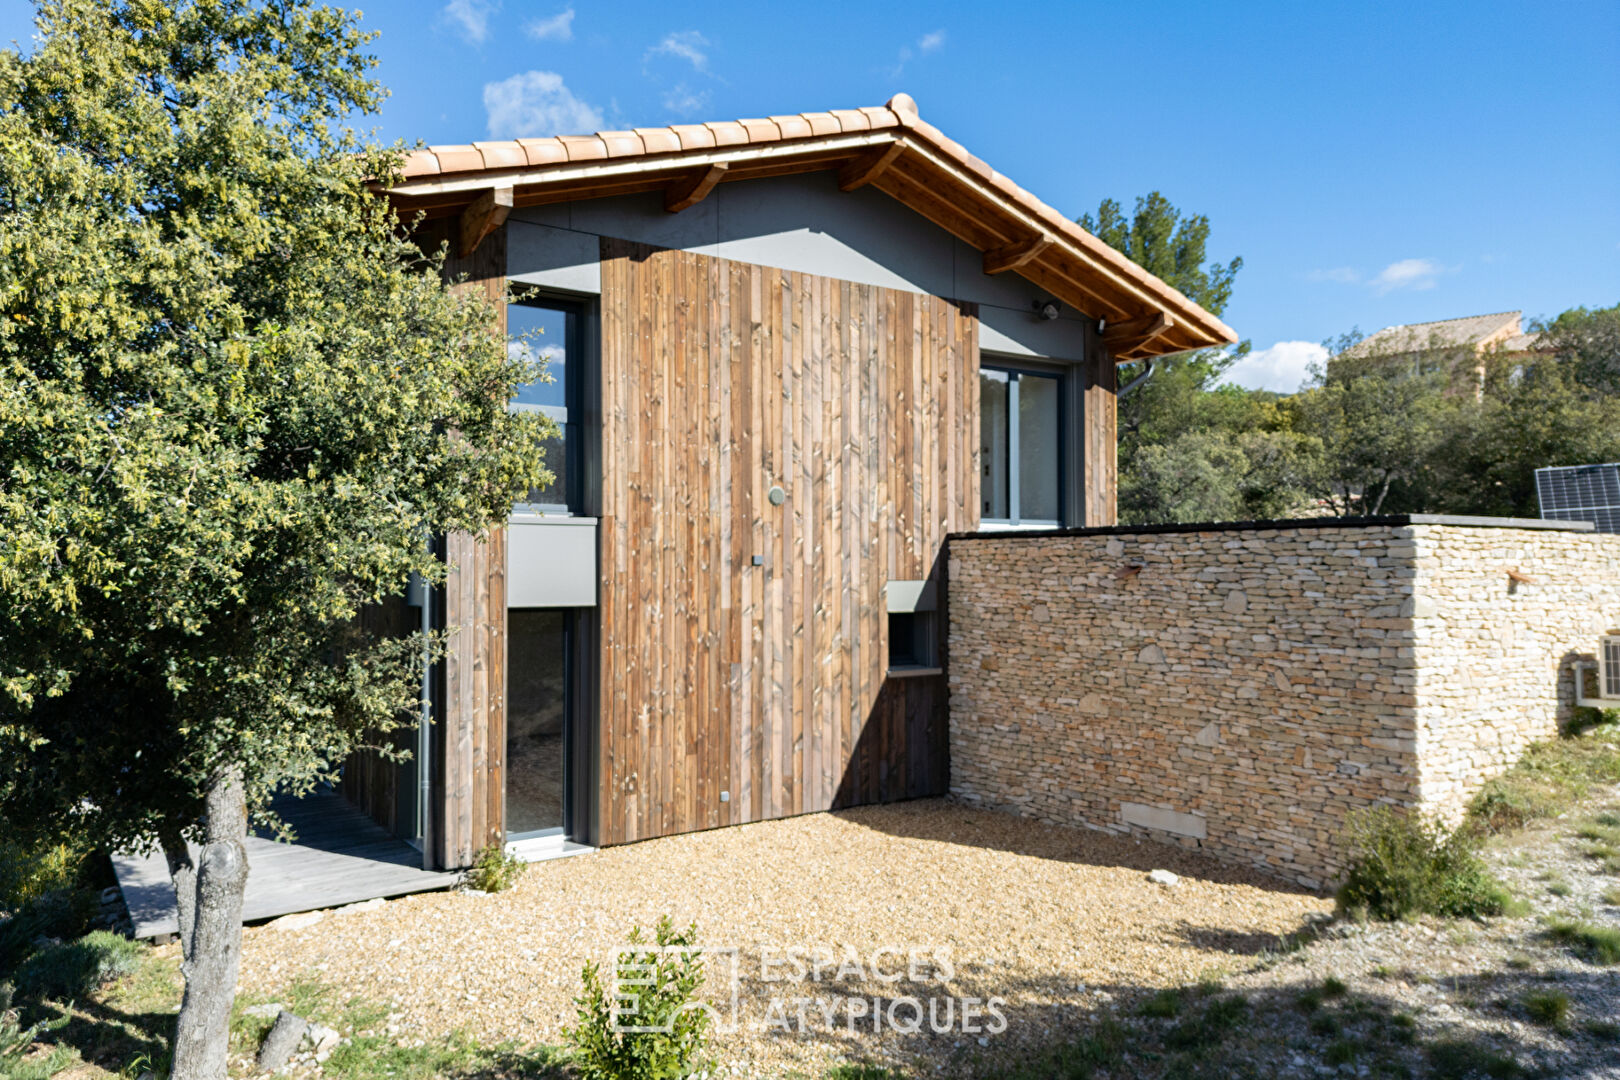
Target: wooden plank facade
x,y
776,447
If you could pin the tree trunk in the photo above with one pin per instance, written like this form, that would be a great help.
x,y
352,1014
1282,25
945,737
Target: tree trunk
x,y
183,872
202,1033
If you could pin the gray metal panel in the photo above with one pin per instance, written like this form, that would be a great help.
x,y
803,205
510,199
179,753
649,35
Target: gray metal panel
x,y
908,596
551,562
553,258
805,224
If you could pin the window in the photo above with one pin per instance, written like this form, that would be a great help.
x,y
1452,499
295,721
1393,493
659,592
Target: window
x,y
1021,443
911,640
549,331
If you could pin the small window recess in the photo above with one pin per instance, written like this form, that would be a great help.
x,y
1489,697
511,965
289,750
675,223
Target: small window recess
x,y
913,637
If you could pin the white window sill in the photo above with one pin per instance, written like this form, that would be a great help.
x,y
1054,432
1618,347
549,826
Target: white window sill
x,y
1022,526
547,517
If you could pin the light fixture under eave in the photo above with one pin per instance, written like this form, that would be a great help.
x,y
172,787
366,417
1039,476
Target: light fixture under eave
x,y
1047,309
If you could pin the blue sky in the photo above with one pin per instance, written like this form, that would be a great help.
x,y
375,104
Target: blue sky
x,y
1373,163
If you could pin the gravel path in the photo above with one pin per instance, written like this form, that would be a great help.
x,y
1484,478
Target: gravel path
x,y
1058,922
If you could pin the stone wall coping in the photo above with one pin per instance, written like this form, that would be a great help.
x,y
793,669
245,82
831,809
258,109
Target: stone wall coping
x,y
1381,521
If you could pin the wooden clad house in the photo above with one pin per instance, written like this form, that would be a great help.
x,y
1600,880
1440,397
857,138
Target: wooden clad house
x,y
790,356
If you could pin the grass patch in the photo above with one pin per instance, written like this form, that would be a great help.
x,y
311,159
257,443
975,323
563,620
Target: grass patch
x,y
1209,1026
1548,779
495,870
1559,888
1103,1049
1549,1008
1454,1059
70,970
1602,1030
1342,1052
1596,944
1402,865
863,1071
1612,896
1162,1005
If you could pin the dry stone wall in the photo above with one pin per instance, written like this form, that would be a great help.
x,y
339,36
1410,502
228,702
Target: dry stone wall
x,y
1244,690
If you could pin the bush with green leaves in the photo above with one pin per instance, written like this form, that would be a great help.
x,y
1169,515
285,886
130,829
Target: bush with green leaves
x,y
1403,865
495,869
71,969
669,1026
17,1041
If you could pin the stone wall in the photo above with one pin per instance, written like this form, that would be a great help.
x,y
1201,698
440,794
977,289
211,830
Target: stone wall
x,y
1243,690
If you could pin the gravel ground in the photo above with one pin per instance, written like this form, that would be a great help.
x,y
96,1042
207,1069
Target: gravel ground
x,y
1059,923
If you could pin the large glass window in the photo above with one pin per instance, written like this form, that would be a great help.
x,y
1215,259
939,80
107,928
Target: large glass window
x,y
537,654
1021,446
548,332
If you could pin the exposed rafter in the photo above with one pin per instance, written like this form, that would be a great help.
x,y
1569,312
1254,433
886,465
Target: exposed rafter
x,y
694,187
868,167
1012,256
1125,337
483,216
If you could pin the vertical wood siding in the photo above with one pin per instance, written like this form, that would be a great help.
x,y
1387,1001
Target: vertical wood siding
x,y
721,380
470,807
1099,435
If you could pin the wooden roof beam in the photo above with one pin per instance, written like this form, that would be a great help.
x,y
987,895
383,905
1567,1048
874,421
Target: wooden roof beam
x,y
868,167
483,216
1012,256
1122,338
694,187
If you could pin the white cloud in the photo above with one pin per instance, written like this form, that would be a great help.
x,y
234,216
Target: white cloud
x,y
682,100
1283,367
471,17
1406,274
560,27
1344,275
929,43
535,104
688,45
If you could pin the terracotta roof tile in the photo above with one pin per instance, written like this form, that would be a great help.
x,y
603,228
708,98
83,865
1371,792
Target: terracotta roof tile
x,y
693,136
544,151
502,155
621,143
821,123
728,133
852,119
584,147
792,127
899,113
420,163
458,159
761,131
880,117
659,140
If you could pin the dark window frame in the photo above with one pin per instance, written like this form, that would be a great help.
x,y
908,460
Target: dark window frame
x,y
1017,370
579,344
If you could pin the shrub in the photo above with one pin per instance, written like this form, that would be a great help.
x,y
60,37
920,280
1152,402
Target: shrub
x,y
495,870
69,970
16,1041
670,971
1164,1004
1402,865
57,913
1598,944
1549,1008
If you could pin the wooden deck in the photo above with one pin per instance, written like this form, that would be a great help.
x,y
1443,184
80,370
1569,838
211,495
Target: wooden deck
x,y
341,856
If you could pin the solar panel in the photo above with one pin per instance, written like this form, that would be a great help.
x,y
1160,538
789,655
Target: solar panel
x,y
1581,493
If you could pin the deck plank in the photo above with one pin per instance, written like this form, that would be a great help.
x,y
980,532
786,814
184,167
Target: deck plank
x,y
340,856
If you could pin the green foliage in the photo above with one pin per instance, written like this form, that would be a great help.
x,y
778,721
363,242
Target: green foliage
x,y
1596,944
1164,1004
1549,1008
28,873
1457,1059
863,1071
1096,1053
1401,865
59,914
495,870
16,1043
673,966
1209,1025
234,396
1157,237
69,970
1548,779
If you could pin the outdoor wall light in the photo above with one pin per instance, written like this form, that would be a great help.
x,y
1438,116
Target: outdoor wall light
x,y
1048,309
